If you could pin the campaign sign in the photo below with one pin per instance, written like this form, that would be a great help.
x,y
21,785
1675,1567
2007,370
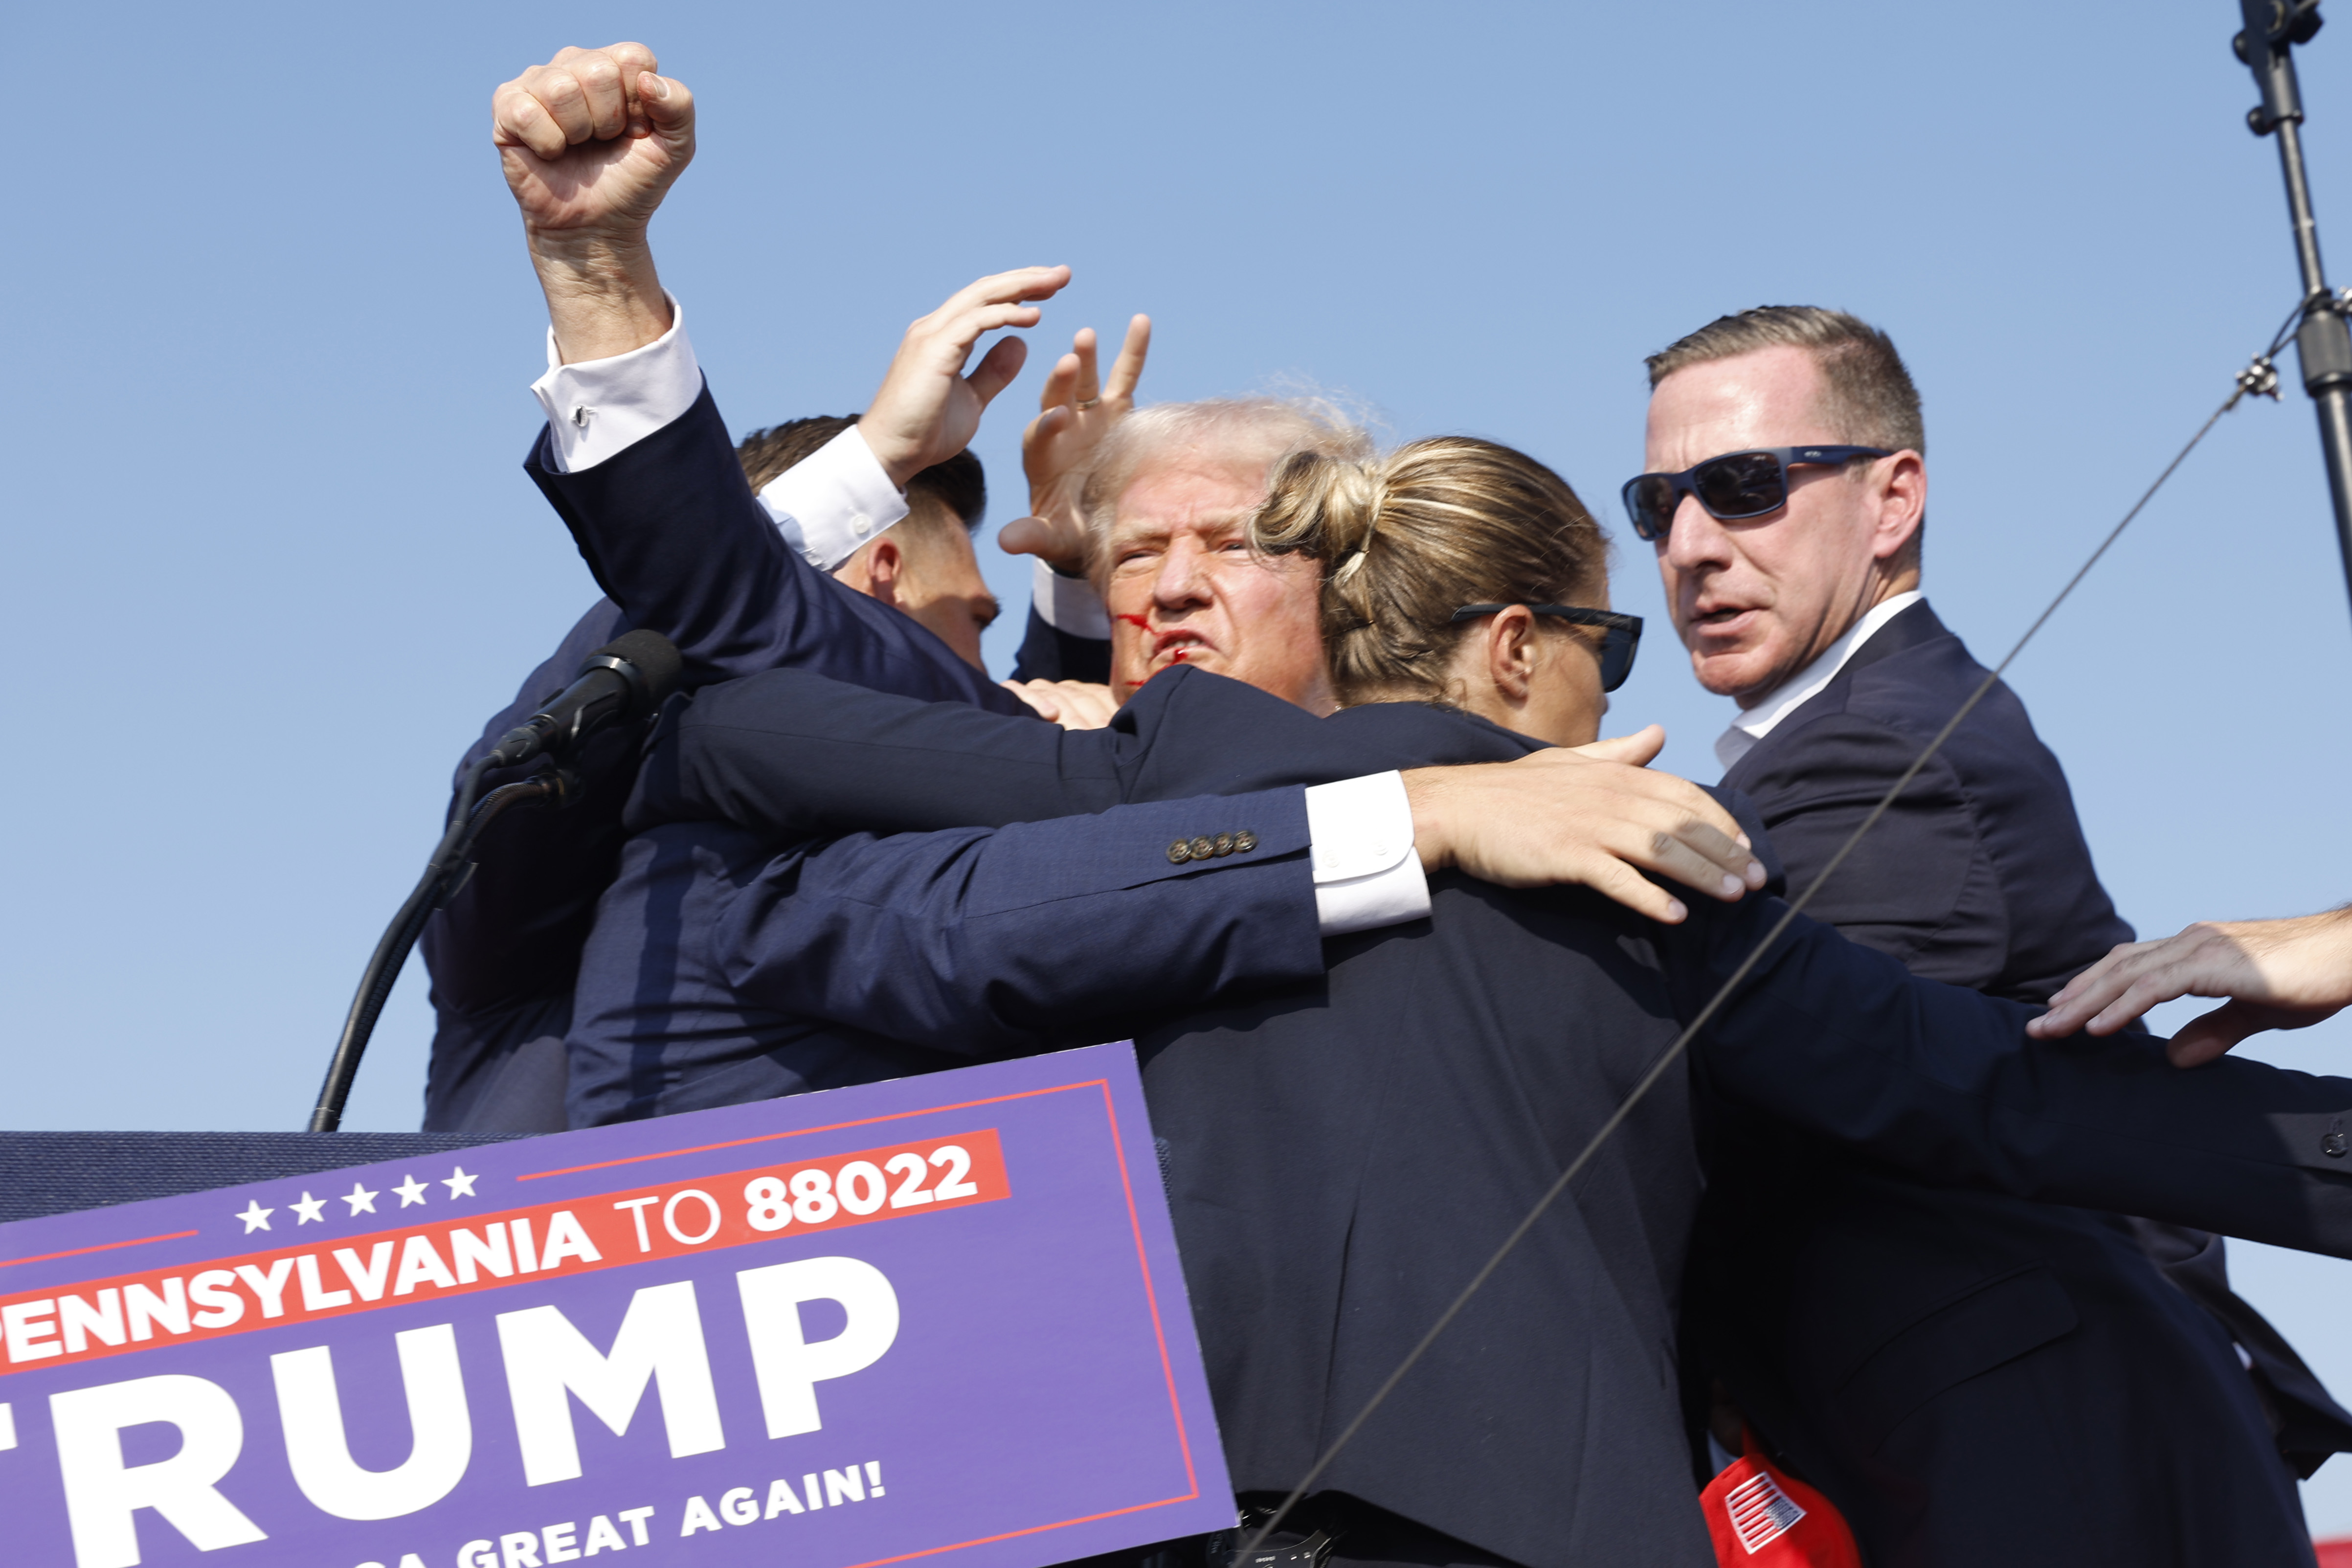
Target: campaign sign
x,y
937,1319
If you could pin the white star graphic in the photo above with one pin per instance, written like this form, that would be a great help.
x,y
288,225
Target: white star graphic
x,y
308,1209
411,1190
460,1184
361,1199
256,1217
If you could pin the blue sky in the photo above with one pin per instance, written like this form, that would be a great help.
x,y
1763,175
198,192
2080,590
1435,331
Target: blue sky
x,y
272,555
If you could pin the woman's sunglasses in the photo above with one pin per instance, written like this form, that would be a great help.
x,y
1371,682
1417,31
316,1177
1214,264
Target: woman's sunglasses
x,y
1621,642
1734,486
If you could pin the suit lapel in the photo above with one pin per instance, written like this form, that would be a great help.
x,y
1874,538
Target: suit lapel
x,y
1914,627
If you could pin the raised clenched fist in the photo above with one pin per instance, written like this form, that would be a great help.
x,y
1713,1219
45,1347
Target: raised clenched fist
x,y
592,141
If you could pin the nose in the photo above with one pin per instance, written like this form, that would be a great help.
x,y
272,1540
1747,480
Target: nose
x,y
1695,538
1182,581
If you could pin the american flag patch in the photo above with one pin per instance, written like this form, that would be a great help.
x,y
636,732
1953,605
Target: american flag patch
x,y
1761,1512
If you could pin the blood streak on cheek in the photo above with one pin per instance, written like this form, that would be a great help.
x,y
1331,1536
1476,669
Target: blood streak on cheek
x,y
1136,621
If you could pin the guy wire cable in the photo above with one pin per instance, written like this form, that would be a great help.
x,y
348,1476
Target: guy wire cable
x,y
2260,378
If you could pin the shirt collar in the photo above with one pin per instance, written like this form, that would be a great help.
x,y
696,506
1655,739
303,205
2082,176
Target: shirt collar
x,y
1759,718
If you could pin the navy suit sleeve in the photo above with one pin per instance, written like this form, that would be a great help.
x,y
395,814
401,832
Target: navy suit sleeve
x,y
1944,1082
1927,896
1048,653
675,536
985,940
671,530
788,754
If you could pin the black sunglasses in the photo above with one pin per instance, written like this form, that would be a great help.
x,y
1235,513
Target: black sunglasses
x,y
1733,486
1617,648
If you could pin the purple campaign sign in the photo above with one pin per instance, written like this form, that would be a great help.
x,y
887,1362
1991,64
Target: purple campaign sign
x,y
937,1318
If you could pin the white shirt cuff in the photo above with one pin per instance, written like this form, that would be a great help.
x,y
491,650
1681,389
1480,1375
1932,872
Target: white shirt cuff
x,y
1359,842
832,502
1068,604
599,408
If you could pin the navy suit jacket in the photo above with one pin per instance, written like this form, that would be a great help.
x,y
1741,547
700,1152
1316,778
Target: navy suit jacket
x,y
1048,653
1916,1351
1344,1151
675,537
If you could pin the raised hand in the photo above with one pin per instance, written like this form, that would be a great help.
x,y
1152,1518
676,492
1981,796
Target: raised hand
x,y
1585,817
928,409
1076,410
2278,974
590,141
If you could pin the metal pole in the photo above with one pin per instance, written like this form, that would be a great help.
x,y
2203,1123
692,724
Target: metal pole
x,y
2323,345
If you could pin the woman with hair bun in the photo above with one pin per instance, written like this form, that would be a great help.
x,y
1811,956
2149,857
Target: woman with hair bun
x,y
1457,572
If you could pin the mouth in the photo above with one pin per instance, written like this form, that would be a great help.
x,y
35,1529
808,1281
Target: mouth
x,y
1179,645
1719,619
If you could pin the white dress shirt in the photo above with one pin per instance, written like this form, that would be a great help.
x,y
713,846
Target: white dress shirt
x,y
1760,719
827,506
833,500
1068,604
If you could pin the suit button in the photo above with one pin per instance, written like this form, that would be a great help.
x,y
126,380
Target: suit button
x,y
1223,845
1203,850
1179,852
2333,1145
1245,841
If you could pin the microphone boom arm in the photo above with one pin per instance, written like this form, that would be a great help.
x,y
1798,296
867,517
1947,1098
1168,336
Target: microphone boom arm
x,y
443,875
2322,344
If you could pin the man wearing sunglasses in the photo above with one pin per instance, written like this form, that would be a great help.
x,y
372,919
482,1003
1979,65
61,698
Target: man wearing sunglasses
x,y
1972,1379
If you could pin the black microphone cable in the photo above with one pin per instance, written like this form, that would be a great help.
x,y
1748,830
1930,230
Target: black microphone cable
x,y
2260,378
627,678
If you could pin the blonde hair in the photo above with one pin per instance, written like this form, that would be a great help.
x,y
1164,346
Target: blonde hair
x,y
1244,431
1408,538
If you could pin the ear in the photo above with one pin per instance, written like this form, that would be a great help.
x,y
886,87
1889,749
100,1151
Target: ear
x,y
1901,492
1513,651
886,571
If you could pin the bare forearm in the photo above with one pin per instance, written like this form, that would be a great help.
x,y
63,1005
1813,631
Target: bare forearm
x,y
604,296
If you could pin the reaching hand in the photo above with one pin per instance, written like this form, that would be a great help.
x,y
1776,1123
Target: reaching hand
x,y
1072,704
592,141
928,409
1077,409
2279,974
1578,816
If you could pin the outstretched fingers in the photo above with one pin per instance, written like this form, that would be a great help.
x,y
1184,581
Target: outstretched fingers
x,y
1059,391
1021,284
1085,388
996,369
1128,369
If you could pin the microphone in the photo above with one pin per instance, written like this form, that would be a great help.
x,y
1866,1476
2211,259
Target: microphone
x,y
627,678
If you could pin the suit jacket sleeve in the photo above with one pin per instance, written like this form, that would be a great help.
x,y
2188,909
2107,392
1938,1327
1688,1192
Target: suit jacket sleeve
x,y
677,538
1937,905
791,754
678,542
1944,1082
986,941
